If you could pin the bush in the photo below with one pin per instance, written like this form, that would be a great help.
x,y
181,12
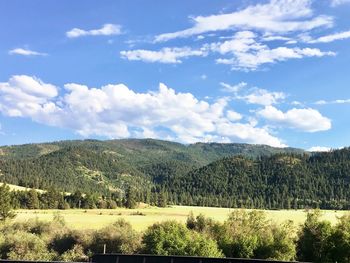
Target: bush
x,y
118,238
251,235
314,239
25,246
74,254
172,238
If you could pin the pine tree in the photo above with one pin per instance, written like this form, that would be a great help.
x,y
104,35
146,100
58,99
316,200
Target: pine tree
x,y
130,198
5,203
33,200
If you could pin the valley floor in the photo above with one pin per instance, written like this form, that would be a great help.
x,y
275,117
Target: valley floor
x,y
141,218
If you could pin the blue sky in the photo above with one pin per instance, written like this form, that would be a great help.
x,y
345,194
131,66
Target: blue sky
x,y
265,72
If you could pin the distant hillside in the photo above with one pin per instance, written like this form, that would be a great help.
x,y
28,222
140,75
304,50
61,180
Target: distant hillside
x,y
274,182
207,174
103,166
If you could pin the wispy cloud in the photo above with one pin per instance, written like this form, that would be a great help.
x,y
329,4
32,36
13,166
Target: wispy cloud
x,y
165,55
331,37
25,52
278,16
339,101
105,30
233,88
335,3
253,95
242,52
248,54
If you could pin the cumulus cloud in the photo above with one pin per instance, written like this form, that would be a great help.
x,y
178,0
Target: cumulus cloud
x,y
165,55
319,149
233,115
331,37
25,96
105,30
277,16
307,120
25,52
116,111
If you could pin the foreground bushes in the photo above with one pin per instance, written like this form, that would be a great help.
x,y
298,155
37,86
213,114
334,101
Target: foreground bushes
x,y
244,234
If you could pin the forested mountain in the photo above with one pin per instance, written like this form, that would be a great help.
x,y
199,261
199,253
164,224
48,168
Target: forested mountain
x,y
100,166
273,182
209,174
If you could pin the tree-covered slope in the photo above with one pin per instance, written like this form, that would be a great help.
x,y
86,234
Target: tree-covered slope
x,y
277,181
211,174
93,165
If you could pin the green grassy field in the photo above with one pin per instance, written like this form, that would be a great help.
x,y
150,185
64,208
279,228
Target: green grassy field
x,y
95,219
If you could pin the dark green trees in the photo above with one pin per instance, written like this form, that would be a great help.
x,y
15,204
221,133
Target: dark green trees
x,y
130,198
33,199
5,203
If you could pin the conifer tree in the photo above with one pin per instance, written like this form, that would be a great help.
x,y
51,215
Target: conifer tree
x,y
5,203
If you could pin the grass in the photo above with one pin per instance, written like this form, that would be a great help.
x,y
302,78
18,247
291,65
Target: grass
x,y
141,218
20,188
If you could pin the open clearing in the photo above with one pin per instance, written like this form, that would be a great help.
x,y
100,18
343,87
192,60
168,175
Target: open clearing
x,y
98,218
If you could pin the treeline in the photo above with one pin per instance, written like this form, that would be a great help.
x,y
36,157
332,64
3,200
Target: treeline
x,y
243,235
54,199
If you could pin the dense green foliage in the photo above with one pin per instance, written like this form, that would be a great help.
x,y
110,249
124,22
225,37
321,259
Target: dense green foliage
x,y
285,181
103,166
161,173
5,203
244,234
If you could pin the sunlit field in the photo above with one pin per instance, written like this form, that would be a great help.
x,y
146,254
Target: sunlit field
x,y
141,218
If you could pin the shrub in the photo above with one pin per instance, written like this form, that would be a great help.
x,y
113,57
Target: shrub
x,y
118,238
25,246
74,254
172,238
314,237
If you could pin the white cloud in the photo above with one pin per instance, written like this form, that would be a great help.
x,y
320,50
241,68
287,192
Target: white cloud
x,y
25,52
115,111
319,149
248,133
335,3
243,50
339,101
253,95
248,61
248,54
233,116
263,97
165,55
277,16
307,120
233,88
276,38
331,38
25,96
204,76
105,30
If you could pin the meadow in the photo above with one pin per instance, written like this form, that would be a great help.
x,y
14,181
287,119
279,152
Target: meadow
x,y
141,218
